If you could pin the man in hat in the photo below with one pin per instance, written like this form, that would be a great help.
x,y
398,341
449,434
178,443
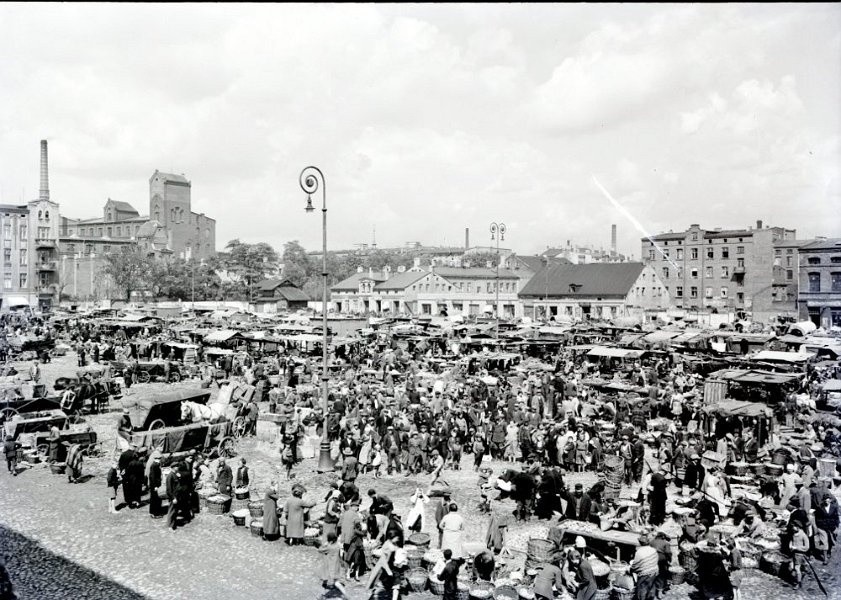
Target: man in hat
x,y
695,473
626,451
645,565
578,504
391,444
664,558
442,507
350,466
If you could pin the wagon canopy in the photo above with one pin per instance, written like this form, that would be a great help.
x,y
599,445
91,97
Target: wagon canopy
x,y
738,408
615,352
144,410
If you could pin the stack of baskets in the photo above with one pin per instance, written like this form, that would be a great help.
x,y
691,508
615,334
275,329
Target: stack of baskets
x,y
218,504
255,509
758,468
463,591
604,594
676,574
415,556
417,579
436,586
481,590
419,540
613,473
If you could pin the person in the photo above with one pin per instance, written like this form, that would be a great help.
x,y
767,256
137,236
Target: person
x,y
10,449
252,414
800,549
243,474
348,523
53,443
224,478
355,554
172,492
287,458
584,576
645,565
154,480
74,463
113,482
35,372
442,507
733,558
478,451
548,579
294,513
350,466
664,558
452,526
484,565
271,524
657,497
416,519
331,568
578,504
449,575
135,472
333,511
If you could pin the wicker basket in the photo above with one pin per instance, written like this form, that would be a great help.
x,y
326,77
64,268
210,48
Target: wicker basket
x,y
436,587
58,468
604,594
421,540
417,579
239,517
623,594
312,537
540,550
676,575
506,592
758,468
255,509
218,505
525,593
242,494
415,556
256,529
481,590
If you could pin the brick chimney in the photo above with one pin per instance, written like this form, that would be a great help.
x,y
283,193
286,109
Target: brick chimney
x,y
759,224
45,173
466,238
613,239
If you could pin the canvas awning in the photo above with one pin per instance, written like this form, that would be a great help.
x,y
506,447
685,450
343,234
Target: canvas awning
x,y
738,408
776,356
222,335
615,352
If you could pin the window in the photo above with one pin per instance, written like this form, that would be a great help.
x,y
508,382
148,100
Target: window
x,y
724,292
680,253
835,278
814,282
679,291
71,247
23,232
651,255
694,254
835,260
99,231
109,231
107,248
710,253
740,262
665,253
708,272
708,292
740,249
23,280
693,292
7,281
7,231
23,258
814,260
694,237
665,272
725,252
7,256
725,272
47,215
740,297
694,273
90,232
788,261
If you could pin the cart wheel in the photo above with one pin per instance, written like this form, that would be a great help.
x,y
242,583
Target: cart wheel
x,y
174,377
5,414
157,424
239,427
227,447
158,444
144,377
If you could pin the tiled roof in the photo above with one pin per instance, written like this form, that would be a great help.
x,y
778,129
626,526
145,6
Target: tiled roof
x,y
590,280
123,206
352,282
401,281
535,263
830,244
474,273
172,177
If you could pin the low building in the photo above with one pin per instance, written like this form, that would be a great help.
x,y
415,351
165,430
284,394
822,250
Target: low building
x,y
275,295
819,296
595,291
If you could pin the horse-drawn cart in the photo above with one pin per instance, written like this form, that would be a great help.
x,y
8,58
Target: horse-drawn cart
x,y
176,422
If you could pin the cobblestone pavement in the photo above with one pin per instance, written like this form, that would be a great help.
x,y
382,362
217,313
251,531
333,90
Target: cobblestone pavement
x,y
60,542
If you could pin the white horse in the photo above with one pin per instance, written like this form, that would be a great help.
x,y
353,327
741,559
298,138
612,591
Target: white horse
x,y
199,412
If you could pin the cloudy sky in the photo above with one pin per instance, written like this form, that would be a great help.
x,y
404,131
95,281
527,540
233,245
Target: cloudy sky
x,y
427,119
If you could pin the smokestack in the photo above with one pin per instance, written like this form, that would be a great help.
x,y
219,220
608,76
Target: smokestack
x,y
467,238
613,239
45,173
759,224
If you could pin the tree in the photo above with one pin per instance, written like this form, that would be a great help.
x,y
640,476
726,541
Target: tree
x,y
297,266
250,263
129,269
481,259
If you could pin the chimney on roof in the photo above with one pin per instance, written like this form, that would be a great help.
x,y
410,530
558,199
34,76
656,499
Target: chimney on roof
x,y
401,269
370,273
45,173
759,224
466,238
613,239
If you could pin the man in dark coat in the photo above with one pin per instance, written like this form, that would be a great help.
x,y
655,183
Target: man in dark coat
x,y
695,473
154,482
450,576
224,478
578,504
173,493
657,498
133,480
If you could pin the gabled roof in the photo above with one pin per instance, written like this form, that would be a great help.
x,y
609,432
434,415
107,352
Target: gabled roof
x,y
535,263
400,281
352,282
286,288
831,244
122,206
171,177
474,273
604,280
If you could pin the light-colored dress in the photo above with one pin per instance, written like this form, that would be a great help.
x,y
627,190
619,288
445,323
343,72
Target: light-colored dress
x,y
452,526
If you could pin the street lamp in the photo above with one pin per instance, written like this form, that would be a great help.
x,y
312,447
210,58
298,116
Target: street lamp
x,y
311,179
498,233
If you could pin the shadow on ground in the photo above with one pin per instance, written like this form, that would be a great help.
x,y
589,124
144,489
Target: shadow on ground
x,y
38,574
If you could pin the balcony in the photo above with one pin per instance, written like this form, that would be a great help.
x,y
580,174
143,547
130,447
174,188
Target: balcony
x,y
48,265
45,243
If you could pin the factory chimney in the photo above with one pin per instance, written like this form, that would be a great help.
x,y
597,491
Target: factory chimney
x,y
45,173
613,239
467,238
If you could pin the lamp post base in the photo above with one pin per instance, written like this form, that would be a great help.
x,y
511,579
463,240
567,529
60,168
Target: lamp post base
x,y
325,461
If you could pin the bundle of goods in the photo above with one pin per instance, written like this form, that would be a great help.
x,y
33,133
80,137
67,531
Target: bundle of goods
x,y
255,509
417,579
242,493
604,594
256,528
774,562
525,593
239,517
676,574
218,504
312,536
481,590
518,538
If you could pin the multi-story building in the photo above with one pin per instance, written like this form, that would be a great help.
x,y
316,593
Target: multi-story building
x,y
721,270
819,297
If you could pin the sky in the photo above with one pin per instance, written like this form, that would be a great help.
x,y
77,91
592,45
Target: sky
x,y
428,119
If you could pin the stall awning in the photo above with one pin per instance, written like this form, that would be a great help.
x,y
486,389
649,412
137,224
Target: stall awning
x,y
660,336
738,408
223,335
615,352
776,356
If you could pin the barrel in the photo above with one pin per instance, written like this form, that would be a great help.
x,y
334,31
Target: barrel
x,y
780,457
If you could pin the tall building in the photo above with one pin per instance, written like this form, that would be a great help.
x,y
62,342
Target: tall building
x,y
723,270
819,298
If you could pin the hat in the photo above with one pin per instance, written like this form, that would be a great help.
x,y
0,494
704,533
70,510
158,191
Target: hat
x,y
579,542
579,486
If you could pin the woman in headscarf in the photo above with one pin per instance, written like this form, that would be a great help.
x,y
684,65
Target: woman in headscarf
x,y
271,524
154,479
452,526
416,518
74,463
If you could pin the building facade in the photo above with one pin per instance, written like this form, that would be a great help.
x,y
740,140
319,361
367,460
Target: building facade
x,y
720,270
819,296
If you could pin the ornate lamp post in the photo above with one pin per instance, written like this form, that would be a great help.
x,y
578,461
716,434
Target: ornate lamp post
x,y
311,179
498,233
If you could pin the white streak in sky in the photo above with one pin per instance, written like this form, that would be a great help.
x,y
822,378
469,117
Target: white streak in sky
x,y
634,221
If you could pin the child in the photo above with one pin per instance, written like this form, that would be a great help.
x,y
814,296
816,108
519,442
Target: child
x,y
113,481
331,567
376,460
286,458
355,553
484,504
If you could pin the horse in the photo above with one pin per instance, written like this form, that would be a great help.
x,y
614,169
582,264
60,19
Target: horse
x,y
199,412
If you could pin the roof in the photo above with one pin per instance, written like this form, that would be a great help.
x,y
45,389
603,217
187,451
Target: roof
x,y
773,355
535,263
139,406
590,280
615,352
474,273
222,335
401,281
352,282
738,408
830,244
171,177
123,206
292,294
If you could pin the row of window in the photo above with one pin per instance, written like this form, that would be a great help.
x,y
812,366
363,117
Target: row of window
x,y
834,282
107,231
709,272
694,253
708,293
656,291
816,260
